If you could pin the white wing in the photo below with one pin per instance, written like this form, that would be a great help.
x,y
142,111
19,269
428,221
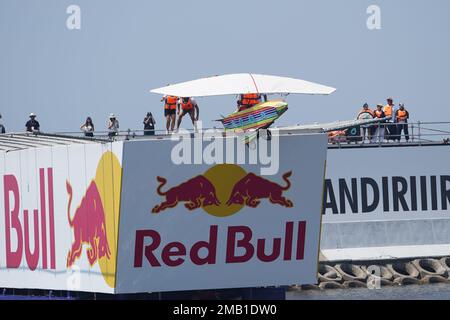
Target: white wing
x,y
233,84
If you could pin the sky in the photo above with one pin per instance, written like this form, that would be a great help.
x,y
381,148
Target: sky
x,y
125,48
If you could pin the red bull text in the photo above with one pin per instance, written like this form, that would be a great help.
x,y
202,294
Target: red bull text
x,y
44,248
238,239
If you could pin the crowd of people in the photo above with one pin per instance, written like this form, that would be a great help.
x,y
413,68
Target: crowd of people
x,y
173,106
393,122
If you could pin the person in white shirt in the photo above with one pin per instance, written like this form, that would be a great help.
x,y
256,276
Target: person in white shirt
x,y
88,127
113,125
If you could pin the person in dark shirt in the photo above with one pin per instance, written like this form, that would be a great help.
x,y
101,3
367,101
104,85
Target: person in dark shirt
x,y
2,127
32,125
401,118
149,125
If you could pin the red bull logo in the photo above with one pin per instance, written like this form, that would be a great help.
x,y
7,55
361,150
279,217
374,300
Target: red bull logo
x,y
252,188
95,221
223,190
90,226
196,192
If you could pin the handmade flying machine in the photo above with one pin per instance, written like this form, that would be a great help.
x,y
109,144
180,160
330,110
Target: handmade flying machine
x,y
259,116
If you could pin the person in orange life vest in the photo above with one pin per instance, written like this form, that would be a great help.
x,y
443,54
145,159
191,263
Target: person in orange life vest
x,y
390,126
170,111
402,116
365,114
389,109
249,100
188,106
378,134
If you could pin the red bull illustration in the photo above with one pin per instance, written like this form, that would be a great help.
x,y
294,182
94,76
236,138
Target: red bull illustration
x,y
95,221
223,190
196,192
252,188
89,226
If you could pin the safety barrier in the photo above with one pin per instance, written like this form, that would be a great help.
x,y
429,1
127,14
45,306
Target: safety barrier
x,y
385,282
403,269
383,272
446,264
351,272
328,273
354,284
433,279
331,285
390,273
429,267
404,281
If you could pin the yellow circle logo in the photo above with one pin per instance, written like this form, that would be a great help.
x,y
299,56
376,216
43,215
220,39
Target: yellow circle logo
x,y
224,177
108,180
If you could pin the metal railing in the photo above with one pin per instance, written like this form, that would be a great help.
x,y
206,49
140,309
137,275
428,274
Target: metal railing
x,y
418,133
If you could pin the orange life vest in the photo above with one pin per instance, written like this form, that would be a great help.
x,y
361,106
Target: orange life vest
x,y
171,103
250,99
402,114
387,110
378,113
186,106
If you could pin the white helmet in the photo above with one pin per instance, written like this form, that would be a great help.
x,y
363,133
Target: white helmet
x,y
32,115
112,115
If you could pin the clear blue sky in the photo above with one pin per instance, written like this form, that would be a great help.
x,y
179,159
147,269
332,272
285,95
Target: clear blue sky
x,y
125,48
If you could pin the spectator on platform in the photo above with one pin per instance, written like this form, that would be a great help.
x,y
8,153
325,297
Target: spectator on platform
x,y
88,127
401,118
113,126
365,114
149,125
389,109
2,127
33,125
378,128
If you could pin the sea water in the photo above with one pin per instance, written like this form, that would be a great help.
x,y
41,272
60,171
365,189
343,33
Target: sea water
x,y
436,291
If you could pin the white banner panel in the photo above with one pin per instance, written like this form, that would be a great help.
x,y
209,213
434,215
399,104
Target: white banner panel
x,y
383,184
200,226
59,212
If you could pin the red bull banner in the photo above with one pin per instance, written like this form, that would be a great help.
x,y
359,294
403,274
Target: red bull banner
x,y
59,214
125,217
221,225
